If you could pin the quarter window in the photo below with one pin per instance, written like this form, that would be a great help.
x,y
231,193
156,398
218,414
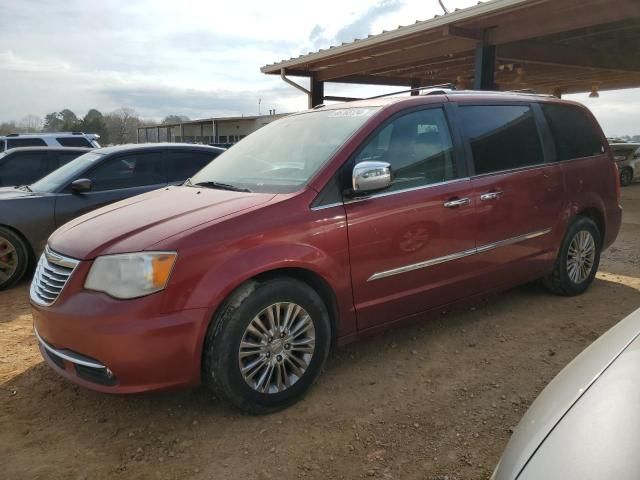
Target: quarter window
x,y
573,131
25,142
73,142
417,146
128,171
502,137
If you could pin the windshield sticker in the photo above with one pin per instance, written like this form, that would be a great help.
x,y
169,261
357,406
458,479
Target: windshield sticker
x,y
350,112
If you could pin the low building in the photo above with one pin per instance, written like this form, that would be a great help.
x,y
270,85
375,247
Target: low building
x,y
224,130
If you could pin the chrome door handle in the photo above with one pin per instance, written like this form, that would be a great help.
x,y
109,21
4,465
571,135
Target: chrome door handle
x,y
491,196
457,203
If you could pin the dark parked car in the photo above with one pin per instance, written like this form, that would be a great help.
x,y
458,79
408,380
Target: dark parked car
x,y
23,166
321,227
30,213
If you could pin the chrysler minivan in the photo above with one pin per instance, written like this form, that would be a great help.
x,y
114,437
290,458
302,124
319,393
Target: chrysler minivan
x,y
319,228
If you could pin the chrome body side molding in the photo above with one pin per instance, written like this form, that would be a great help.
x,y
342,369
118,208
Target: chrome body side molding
x,y
458,255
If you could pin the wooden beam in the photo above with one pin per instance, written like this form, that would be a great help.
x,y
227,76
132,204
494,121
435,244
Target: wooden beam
x,y
485,67
564,56
453,31
442,47
558,17
436,65
316,97
374,80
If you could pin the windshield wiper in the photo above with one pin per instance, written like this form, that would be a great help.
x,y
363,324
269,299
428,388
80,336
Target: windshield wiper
x,y
218,185
26,188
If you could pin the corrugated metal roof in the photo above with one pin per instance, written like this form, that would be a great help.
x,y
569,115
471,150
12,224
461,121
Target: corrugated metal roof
x,y
439,21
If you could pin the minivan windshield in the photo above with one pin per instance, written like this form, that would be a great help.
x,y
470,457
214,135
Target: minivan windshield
x,y
284,155
65,174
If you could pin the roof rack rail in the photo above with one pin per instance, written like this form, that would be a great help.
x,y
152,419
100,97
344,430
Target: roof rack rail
x,y
524,90
13,135
440,88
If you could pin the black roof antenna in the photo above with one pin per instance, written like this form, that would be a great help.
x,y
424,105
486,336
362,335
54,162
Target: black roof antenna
x,y
446,10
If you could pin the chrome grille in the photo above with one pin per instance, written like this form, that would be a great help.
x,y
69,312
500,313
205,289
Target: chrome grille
x,y
51,276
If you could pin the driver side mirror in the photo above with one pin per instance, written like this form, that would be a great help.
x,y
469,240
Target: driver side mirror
x,y
81,185
371,176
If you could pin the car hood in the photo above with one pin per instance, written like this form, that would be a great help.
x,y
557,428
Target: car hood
x,y
576,426
139,222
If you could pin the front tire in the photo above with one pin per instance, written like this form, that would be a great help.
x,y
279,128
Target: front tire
x,y
578,259
626,176
14,258
267,345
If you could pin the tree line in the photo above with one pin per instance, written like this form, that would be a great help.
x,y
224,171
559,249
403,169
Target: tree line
x,y
117,127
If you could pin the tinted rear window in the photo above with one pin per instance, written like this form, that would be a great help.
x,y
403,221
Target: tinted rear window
x,y
73,142
573,131
66,157
502,137
25,142
183,165
23,168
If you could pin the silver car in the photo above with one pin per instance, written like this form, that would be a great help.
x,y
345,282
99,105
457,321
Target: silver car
x,y
627,157
586,423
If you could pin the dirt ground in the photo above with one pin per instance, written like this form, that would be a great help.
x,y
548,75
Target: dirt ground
x,y
436,400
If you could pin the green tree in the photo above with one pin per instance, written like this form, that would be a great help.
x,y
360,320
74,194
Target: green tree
x,y
53,122
94,122
70,120
170,119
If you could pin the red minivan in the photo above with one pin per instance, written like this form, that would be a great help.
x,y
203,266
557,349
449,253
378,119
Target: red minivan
x,y
318,228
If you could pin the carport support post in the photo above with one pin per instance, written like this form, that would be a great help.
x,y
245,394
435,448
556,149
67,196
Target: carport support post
x,y
415,83
485,67
316,97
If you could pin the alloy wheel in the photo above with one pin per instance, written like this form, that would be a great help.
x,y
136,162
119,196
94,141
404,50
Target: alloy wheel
x,y
8,260
277,347
581,256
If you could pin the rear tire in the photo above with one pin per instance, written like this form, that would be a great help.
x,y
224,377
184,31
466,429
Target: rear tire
x,y
267,345
14,258
578,259
626,177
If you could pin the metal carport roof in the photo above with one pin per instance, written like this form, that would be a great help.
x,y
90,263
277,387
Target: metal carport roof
x,y
550,46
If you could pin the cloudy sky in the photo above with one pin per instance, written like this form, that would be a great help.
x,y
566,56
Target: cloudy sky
x,y
199,58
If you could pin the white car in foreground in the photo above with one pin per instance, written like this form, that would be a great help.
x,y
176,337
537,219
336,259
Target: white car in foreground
x,y
586,424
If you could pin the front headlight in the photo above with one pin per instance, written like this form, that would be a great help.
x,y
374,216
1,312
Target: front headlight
x,y
131,275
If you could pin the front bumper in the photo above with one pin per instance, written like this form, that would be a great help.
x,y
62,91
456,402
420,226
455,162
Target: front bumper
x,y
118,346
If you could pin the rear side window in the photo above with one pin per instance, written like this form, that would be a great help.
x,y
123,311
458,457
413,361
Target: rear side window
x,y
417,146
1,145
128,171
502,137
25,142
74,142
182,165
23,168
574,133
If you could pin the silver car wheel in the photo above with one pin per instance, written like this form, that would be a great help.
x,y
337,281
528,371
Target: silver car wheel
x,y
277,347
581,256
8,259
